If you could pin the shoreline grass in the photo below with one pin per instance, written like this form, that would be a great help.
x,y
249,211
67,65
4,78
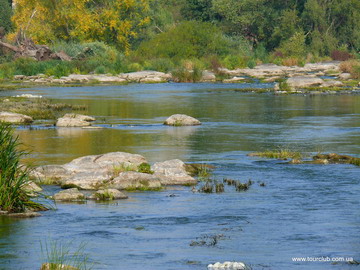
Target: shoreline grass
x,y
13,175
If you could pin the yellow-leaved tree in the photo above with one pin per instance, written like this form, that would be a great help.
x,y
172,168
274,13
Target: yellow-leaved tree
x,y
113,21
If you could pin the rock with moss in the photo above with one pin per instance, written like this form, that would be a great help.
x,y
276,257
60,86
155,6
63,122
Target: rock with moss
x,y
69,195
333,158
181,120
173,172
108,194
74,120
135,181
15,118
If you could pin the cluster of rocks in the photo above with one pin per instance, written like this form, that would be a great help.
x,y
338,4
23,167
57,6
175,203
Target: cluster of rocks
x,y
297,78
80,120
109,172
139,77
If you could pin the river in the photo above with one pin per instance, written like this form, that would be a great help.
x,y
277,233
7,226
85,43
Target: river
x,y
303,211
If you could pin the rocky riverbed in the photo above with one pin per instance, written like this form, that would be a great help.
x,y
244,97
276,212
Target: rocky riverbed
x,y
314,77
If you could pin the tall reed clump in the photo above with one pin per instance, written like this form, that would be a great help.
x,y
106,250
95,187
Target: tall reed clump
x,y
13,176
62,256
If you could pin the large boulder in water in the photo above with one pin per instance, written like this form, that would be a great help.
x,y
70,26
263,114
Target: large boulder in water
x,y
74,120
173,172
181,120
15,118
135,180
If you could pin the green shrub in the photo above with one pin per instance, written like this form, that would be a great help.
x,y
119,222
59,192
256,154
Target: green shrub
x,y
187,40
294,46
161,64
13,176
234,61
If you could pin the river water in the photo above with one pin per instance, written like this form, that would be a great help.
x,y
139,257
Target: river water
x,y
303,211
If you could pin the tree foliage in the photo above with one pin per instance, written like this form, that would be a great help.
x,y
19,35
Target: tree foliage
x,y
5,15
114,21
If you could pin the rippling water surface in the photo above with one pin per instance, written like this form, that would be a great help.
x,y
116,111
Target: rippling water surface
x,y
304,210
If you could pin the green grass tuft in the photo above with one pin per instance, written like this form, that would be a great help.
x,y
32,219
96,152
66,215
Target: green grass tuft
x,y
278,154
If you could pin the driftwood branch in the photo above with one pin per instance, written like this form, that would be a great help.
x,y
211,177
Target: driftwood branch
x,y
27,48
9,46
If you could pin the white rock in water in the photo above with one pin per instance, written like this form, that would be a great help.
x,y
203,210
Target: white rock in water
x,y
228,266
181,120
28,96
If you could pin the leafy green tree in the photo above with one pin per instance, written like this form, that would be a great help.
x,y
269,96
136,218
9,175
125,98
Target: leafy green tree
x,y
199,10
5,15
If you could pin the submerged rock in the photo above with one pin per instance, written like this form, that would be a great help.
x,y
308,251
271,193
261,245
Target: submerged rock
x,y
173,172
135,181
181,120
108,194
72,194
74,120
15,118
26,214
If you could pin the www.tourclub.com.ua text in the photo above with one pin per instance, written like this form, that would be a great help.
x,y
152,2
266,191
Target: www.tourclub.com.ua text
x,y
322,259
